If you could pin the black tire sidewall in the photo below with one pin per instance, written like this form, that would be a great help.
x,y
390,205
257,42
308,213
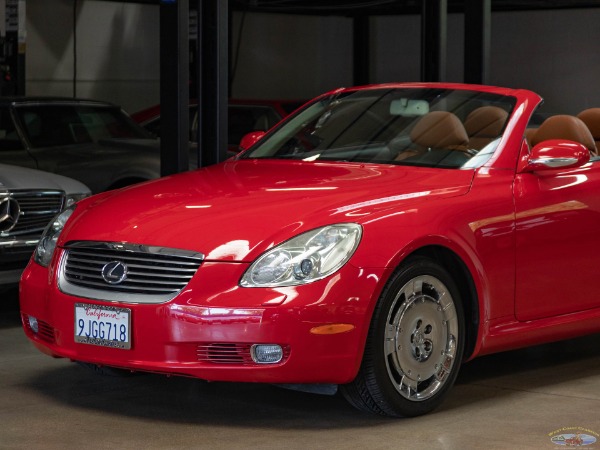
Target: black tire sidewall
x,y
387,397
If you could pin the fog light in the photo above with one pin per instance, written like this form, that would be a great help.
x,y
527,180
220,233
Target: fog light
x,y
33,324
266,353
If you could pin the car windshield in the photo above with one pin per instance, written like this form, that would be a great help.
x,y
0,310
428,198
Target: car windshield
x,y
67,124
409,126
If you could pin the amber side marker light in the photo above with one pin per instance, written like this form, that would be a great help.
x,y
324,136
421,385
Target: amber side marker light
x,y
332,328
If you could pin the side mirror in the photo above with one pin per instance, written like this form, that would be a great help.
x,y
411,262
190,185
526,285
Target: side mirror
x,y
250,139
556,154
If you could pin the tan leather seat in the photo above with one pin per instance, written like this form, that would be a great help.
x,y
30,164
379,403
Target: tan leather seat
x,y
565,127
591,118
484,125
529,133
440,130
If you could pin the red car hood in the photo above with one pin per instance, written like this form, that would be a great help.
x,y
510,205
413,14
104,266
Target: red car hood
x,y
236,210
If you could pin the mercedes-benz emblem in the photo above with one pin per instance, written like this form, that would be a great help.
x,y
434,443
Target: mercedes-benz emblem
x,y
114,272
9,214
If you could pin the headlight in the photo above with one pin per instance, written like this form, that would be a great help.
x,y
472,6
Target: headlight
x,y
45,248
74,198
306,258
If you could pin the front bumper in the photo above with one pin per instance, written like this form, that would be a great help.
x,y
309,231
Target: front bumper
x,y
208,329
14,255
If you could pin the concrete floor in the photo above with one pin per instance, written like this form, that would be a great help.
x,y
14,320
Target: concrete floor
x,y
514,400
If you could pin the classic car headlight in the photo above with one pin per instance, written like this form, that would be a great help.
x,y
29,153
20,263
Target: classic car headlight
x,y
45,248
306,258
74,198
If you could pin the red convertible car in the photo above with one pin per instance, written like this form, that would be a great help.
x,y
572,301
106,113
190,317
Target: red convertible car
x,y
373,241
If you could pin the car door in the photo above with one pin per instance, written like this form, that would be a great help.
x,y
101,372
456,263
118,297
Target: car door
x,y
557,241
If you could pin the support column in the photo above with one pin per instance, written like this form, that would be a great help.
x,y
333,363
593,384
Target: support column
x,y
214,70
433,39
174,86
361,48
12,60
478,19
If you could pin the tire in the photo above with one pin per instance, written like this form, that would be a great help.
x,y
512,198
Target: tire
x,y
414,346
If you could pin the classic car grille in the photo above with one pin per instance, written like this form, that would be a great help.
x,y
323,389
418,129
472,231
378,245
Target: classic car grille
x,y
37,208
126,272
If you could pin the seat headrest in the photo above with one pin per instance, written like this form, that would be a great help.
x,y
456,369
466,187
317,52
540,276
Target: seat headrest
x,y
486,121
439,129
529,133
564,127
591,118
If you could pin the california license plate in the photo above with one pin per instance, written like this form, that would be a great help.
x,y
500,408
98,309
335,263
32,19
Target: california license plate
x,y
107,326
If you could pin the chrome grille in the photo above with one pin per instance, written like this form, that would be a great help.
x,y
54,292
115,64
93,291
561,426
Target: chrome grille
x,y
225,353
37,208
230,353
148,274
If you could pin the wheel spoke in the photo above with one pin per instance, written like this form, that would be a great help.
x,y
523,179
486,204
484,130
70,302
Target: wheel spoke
x,y
441,298
417,286
390,340
408,385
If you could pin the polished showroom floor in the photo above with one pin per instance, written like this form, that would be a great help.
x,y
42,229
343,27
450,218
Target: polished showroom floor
x,y
514,400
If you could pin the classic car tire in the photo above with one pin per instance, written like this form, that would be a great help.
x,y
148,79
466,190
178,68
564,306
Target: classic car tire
x,y
415,343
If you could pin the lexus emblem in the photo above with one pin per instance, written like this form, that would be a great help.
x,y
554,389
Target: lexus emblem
x,y
9,214
114,272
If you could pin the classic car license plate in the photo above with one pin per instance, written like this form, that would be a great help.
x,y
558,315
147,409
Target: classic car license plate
x,y
108,326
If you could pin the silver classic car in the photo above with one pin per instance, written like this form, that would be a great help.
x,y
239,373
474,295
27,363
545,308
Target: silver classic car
x,y
29,199
94,142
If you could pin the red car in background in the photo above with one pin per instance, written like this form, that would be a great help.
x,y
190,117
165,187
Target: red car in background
x,y
374,241
244,116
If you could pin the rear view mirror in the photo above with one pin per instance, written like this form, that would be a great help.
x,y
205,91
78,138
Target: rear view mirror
x,y
556,154
250,139
408,107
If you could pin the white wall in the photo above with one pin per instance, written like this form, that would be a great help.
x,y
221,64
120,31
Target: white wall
x,y
396,48
117,51
556,53
282,56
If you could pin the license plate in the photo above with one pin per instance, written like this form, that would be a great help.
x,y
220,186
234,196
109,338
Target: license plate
x,y
107,326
